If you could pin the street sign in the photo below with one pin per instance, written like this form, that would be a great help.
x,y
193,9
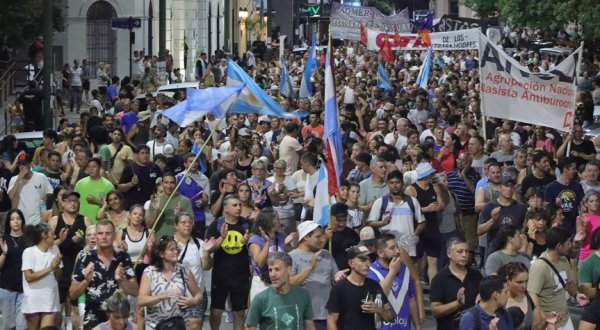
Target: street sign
x,y
127,23
312,10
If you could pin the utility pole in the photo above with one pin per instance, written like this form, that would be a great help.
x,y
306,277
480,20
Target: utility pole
x,y
209,30
218,25
48,33
162,29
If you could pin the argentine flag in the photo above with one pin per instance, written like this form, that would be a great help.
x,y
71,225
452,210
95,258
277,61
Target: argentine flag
x,y
306,89
285,84
321,206
383,81
423,77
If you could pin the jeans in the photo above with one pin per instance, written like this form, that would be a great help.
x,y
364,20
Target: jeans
x,y
76,93
11,310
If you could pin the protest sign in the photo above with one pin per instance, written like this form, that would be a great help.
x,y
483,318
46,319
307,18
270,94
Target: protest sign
x,y
345,21
453,40
509,91
454,23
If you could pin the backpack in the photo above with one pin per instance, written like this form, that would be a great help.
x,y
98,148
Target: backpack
x,y
473,310
407,199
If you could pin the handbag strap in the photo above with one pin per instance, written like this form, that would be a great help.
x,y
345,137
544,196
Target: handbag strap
x,y
181,272
562,281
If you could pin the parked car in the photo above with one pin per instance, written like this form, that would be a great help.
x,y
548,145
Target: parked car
x,y
29,141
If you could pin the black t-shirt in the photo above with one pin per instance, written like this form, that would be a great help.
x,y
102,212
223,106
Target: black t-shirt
x,y
214,197
147,176
11,276
231,260
531,180
513,214
444,287
585,147
32,104
345,299
340,241
591,315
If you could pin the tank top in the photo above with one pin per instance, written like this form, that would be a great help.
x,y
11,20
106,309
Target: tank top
x,y
134,248
426,197
246,169
68,248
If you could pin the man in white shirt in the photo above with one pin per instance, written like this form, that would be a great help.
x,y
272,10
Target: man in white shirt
x,y
289,148
418,115
76,86
29,190
398,138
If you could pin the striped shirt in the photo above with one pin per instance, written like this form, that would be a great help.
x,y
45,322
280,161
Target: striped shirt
x,y
466,199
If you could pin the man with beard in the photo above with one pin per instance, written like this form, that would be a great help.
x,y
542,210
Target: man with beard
x,y
582,150
398,217
395,279
314,268
138,180
159,133
195,187
351,304
538,176
158,205
270,307
115,156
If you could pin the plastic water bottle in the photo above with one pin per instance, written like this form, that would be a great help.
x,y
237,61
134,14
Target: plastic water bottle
x,y
378,302
43,205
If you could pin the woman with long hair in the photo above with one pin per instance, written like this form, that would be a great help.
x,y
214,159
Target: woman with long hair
x,y
134,237
113,211
245,195
266,237
56,206
505,248
534,228
11,280
41,305
244,161
587,222
448,218
167,288
516,276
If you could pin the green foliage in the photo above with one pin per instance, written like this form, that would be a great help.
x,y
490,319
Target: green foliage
x,y
483,8
21,20
383,6
543,14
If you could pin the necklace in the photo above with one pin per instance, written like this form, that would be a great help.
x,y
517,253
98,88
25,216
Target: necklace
x,y
15,242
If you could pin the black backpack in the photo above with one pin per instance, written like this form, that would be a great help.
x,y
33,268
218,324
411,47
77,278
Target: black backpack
x,y
473,310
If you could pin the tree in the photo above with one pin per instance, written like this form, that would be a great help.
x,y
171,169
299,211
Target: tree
x,y
21,20
543,14
483,8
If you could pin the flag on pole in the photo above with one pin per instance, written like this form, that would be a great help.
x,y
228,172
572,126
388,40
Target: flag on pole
x,y
397,39
321,208
386,51
200,102
364,39
252,98
383,81
333,133
423,77
311,65
285,84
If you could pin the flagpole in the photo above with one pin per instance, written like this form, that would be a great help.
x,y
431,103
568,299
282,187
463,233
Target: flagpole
x,y
162,211
575,97
482,107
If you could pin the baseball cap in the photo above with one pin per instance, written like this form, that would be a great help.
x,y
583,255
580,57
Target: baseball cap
x,y
306,228
367,236
23,159
507,179
357,251
70,193
244,132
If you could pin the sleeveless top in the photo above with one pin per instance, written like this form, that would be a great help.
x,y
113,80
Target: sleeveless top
x,y
159,285
246,169
426,197
134,248
103,326
68,248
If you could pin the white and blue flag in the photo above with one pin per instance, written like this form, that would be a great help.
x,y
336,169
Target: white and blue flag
x,y
383,80
200,102
321,206
306,89
285,84
423,77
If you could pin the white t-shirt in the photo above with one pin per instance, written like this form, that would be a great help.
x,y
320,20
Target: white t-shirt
x,y
400,143
40,296
156,147
349,95
402,219
288,151
30,196
192,260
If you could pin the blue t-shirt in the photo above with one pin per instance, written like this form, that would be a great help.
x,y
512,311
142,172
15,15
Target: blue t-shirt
x,y
570,196
111,92
467,322
128,120
403,288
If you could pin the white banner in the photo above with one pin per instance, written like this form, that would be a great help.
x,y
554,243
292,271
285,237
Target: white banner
x,y
453,40
345,21
510,91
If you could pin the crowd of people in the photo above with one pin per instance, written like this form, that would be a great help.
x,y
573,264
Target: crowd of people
x,y
114,222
